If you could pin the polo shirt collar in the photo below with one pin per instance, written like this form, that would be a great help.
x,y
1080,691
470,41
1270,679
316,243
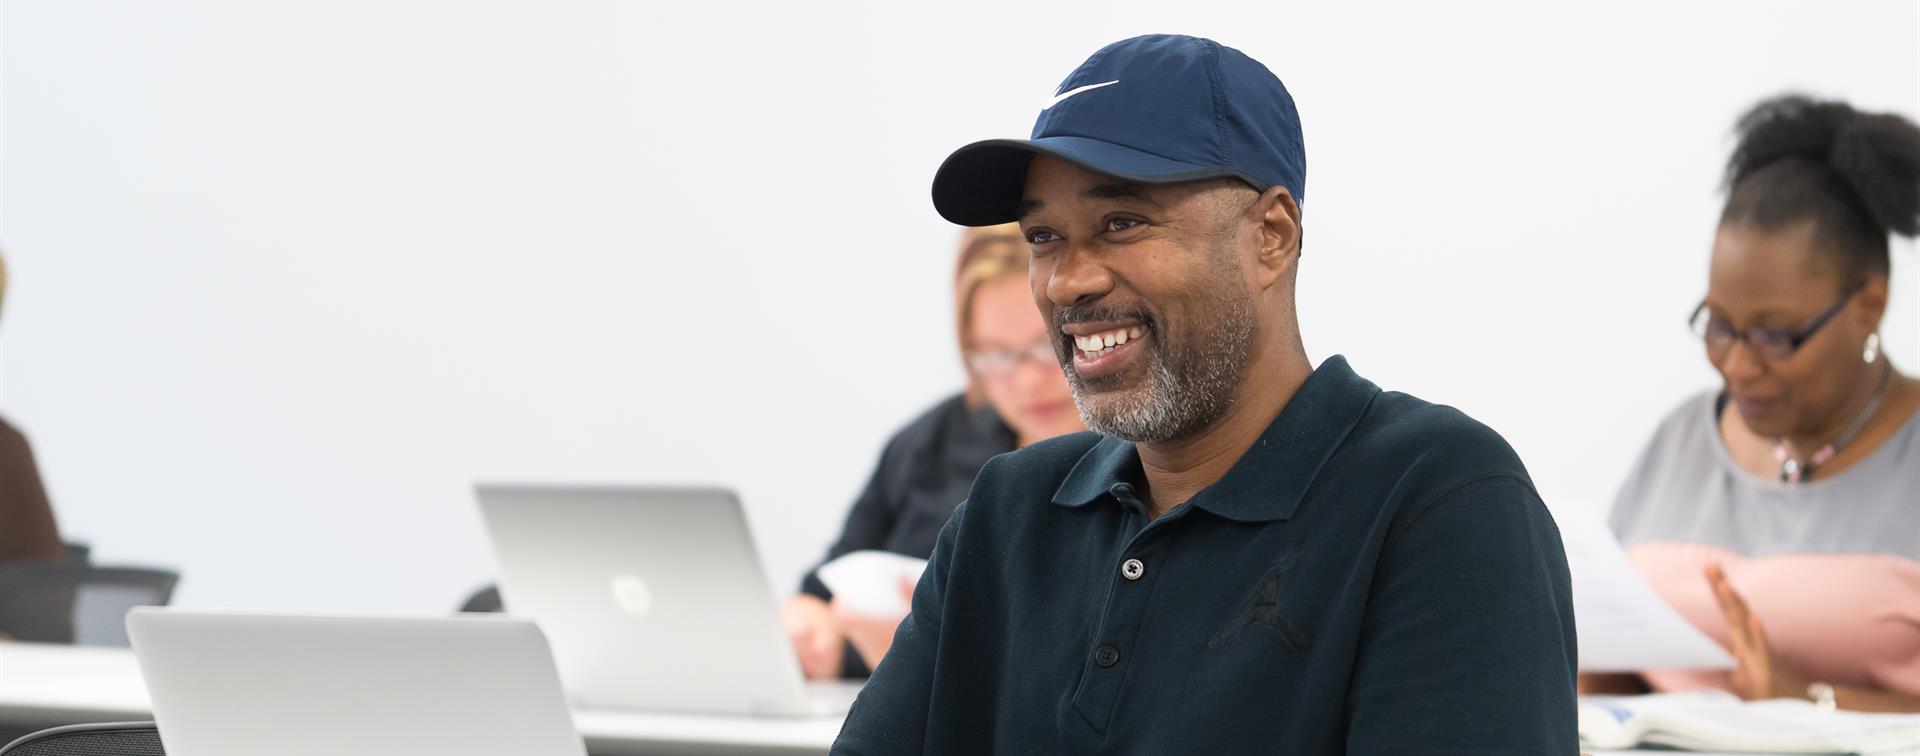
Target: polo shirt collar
x,y
1270,479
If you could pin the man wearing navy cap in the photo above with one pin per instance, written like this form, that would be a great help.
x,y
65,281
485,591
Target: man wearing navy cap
x,y
1248,554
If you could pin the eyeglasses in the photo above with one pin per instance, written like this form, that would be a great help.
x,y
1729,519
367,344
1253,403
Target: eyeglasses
x,y
999,362
1772,344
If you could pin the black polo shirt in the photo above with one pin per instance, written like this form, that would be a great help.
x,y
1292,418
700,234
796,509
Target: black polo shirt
x,y
1375,576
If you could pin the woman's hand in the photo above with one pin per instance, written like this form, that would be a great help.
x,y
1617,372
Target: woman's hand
x,y
816,636
871,636
1759,673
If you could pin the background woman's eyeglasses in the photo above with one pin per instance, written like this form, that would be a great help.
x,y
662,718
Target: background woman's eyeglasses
x,y
1771,344
1005,361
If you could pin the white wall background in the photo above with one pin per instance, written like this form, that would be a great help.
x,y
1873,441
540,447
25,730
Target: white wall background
x,y
288,276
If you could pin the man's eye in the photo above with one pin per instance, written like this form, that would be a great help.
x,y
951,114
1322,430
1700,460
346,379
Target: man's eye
x,y
1121,224
1039,236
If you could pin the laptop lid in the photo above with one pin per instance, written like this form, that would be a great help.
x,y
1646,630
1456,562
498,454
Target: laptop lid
x,y
653,596
227,684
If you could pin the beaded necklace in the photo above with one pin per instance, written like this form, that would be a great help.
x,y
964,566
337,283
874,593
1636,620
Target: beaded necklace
x,y
1795,471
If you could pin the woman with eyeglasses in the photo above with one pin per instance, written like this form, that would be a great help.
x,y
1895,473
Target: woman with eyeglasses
x,y
1016,394
1781,513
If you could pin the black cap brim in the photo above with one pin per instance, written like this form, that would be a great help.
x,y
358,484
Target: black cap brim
x,y
981,184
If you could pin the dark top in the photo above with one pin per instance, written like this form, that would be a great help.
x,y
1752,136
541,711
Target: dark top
x,y
1375,576
924,473
27,530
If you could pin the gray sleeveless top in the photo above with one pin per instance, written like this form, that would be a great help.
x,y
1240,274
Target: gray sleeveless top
x,y
1687,488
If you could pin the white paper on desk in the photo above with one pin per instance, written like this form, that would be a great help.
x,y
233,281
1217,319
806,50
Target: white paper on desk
x,y
869,581
1717,721
1623,625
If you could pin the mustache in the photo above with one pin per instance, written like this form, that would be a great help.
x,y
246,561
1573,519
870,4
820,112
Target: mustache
x,y
1100,313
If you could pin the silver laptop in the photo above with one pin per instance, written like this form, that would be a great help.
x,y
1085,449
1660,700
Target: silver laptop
x,y
653,598
248,684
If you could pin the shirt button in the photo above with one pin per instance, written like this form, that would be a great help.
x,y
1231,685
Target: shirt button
x,y
1132,569
1106,656
1120,490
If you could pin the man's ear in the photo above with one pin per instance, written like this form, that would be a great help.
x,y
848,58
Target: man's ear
x,y
1280,233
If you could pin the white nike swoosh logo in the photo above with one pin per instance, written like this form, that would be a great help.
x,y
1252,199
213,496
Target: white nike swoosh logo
x,y
1077,90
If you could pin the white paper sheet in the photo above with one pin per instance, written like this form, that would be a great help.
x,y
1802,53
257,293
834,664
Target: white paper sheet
x,y
1716,721
869,581
1623,625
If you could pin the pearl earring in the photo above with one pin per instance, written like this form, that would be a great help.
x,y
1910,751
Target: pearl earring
x,y
1873,348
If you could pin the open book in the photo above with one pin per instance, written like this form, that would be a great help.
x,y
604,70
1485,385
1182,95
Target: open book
x,y
1718,721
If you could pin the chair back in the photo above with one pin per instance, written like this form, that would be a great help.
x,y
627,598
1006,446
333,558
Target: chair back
x,y
61,601
111,739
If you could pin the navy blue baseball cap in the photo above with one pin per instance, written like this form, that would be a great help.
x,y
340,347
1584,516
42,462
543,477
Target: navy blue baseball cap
x,y
1159,109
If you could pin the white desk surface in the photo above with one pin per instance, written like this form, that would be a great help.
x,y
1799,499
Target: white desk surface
x,y
45,686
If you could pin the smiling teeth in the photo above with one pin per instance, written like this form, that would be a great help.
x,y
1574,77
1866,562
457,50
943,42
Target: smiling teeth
x,y
1103,341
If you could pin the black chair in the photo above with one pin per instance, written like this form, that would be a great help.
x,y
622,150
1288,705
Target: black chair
x,y
59,601
484,600
112,739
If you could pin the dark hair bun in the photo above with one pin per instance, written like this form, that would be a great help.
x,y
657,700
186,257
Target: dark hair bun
x,y
1875,155
1879,155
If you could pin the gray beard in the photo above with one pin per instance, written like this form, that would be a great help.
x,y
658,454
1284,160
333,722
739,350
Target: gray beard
x,y
1184,392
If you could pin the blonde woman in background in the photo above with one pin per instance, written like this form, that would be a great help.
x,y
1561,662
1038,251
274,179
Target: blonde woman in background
x,y
27,530
1015,395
